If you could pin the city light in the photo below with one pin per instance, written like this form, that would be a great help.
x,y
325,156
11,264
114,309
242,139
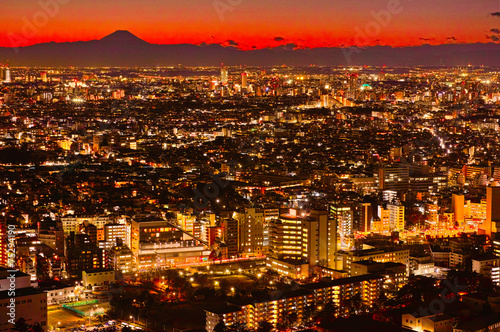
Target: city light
x,y
318,182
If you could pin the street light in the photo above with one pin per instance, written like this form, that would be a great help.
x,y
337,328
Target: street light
x,y
91,313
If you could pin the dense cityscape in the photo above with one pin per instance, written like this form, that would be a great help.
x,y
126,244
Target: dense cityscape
x,y
250,199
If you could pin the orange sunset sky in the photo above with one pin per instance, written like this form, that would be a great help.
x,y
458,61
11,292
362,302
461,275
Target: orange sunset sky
x,y
251,24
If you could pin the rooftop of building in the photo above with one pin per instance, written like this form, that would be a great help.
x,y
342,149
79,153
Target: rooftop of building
x,y
479,323
367,262
274,295
4,273
341,281
371,251
359,323
386,265
440,318
98,271
224,309
484,257
20,292
54,284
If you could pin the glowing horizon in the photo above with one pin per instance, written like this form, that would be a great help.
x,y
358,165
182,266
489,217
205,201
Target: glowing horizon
x,y
257,24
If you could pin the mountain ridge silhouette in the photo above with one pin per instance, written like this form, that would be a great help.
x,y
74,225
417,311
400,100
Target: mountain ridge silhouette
x,y
123,48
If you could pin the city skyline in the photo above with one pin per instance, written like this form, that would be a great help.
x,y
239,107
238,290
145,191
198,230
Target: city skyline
x,y
250,166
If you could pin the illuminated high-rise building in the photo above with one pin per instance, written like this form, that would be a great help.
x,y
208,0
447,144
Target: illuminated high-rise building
x,y
381,224
344,219
363,216
304,238
325,101
491,226
458,208
224,75
353,86
286,237
252,224
321,245
395,177
244,80
116,233
7,75
96,143
230,236
396,217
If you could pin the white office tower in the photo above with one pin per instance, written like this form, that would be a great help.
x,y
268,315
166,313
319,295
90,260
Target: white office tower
x,y
7,75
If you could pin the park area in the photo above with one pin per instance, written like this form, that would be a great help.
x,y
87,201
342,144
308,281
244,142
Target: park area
x,y
76,314
64,319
